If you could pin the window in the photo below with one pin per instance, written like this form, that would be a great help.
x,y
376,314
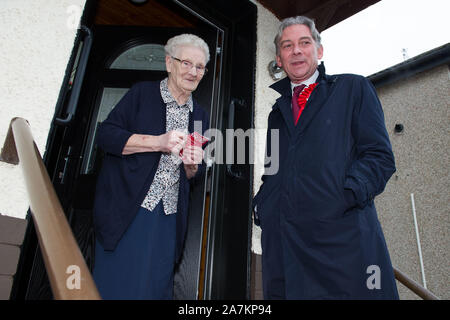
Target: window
x,y
142,57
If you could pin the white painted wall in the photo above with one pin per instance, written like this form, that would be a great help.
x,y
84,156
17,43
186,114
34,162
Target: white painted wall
x,y
36,37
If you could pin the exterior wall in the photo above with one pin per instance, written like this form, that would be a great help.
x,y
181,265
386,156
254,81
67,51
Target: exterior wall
x,y
267,27
421,104
37,38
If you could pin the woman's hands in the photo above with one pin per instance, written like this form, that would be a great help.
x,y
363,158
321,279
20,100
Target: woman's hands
x,y
192,157
172,142
169,142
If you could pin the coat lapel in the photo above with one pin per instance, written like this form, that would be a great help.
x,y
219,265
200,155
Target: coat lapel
x,y
312,107
284,102
316,101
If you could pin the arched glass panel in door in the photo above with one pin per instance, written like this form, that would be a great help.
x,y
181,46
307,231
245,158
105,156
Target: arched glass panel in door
x,y
143,57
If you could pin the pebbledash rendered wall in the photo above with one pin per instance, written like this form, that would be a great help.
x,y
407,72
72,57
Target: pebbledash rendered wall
x,y
420,103
36,39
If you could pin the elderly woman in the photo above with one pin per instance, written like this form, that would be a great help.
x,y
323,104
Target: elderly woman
x,y
142,194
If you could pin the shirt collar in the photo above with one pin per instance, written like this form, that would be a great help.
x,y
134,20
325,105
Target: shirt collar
x,y
169,99
307,82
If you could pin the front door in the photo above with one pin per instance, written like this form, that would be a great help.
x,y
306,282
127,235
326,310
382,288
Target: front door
x,y
122,56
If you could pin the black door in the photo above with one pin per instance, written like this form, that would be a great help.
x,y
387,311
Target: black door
x,y
122,56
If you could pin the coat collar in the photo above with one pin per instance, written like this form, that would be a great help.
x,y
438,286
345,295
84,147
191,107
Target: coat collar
x,y
283,86
319,95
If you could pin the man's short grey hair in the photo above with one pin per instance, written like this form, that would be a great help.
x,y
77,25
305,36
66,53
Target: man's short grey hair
x,y
186,39
293,21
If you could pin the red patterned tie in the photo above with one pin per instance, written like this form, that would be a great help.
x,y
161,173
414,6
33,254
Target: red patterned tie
x,y
295,106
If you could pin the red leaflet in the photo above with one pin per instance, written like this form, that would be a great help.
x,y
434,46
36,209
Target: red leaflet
x,y
195,139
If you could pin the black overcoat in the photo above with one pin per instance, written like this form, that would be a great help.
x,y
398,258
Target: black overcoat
x,y
321,238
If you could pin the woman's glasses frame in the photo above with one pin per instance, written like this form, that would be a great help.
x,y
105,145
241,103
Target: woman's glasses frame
x,y
187,65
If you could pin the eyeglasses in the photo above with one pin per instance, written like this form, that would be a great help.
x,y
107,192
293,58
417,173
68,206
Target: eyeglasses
x,y
187,65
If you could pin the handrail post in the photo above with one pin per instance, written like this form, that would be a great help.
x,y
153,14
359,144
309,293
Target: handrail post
x,y
67,271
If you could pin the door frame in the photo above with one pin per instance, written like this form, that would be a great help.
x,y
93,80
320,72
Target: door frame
x,y
228,262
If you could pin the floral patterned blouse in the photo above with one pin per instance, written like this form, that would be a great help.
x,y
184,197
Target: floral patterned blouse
x,y
166,182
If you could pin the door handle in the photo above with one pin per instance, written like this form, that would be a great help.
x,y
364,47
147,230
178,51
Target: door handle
x,y
81,68
231,113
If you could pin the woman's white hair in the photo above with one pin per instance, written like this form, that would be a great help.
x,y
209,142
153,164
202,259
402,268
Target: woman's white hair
x,y
186,39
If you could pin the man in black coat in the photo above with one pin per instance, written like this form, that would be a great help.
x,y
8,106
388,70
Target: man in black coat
x,y
321,238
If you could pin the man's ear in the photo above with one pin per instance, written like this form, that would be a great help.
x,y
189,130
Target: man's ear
x,y
320,52
279,61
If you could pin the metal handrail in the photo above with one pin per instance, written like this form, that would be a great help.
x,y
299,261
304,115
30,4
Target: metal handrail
x,y
69,276
414,286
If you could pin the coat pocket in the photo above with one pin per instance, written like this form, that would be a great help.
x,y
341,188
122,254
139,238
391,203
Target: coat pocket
x,y
266,204
350,199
